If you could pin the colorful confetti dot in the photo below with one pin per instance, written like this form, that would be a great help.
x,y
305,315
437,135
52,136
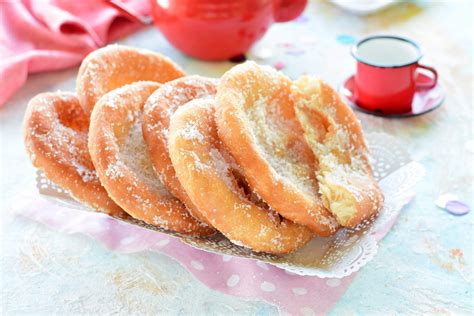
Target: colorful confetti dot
x,y
286,45
302,19
451,204
346,39
457,208
279,65
295,52
456,253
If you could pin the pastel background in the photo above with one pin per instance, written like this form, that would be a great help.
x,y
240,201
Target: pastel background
x,y
424,266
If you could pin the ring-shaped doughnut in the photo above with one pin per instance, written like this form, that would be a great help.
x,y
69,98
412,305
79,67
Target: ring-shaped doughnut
x,y
335,135
55,135
156,118
257,123
208,178
123,164
113,66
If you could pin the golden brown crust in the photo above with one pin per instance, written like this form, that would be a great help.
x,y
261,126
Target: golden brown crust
x,y
256,122
335,135
206,174
55,136
121,158
158,110
114,66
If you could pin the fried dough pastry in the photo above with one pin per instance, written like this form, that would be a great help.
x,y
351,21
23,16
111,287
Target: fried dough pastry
x,y
156,118
256,122
123,163
113,66
334,134
206,172
55,135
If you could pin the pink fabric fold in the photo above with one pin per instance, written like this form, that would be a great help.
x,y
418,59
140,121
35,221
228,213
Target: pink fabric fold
x,y
54,34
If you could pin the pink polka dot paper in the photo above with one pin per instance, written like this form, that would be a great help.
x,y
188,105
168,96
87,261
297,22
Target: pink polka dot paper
x,y
246,278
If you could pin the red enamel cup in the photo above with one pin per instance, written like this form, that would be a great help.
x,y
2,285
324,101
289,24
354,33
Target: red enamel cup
x,y
387,71
219,29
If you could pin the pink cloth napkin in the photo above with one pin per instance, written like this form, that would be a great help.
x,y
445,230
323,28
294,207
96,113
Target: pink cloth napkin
x,y
40,35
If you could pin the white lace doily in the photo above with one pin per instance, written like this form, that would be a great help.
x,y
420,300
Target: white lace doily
x,y
334,257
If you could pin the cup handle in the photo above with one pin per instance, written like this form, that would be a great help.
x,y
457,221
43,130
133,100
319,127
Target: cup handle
x,y
434,79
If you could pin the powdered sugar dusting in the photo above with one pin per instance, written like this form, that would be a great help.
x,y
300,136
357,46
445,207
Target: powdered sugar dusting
x,y
245,223
85,173
57,131
222,167
190,132
134,154
115,65
114,170
267,116
345,175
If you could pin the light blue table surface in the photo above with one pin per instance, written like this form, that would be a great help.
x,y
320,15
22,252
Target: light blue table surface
x,y
423,266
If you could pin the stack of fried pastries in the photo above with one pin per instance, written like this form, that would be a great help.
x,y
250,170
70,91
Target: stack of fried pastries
x,y
268,162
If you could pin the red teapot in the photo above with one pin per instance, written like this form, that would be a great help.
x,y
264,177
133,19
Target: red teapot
x,y
219,29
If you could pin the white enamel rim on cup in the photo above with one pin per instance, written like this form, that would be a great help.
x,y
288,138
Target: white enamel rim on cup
x,y
395,37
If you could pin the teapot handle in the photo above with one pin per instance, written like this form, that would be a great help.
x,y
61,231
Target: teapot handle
x,y
130,13
287,10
